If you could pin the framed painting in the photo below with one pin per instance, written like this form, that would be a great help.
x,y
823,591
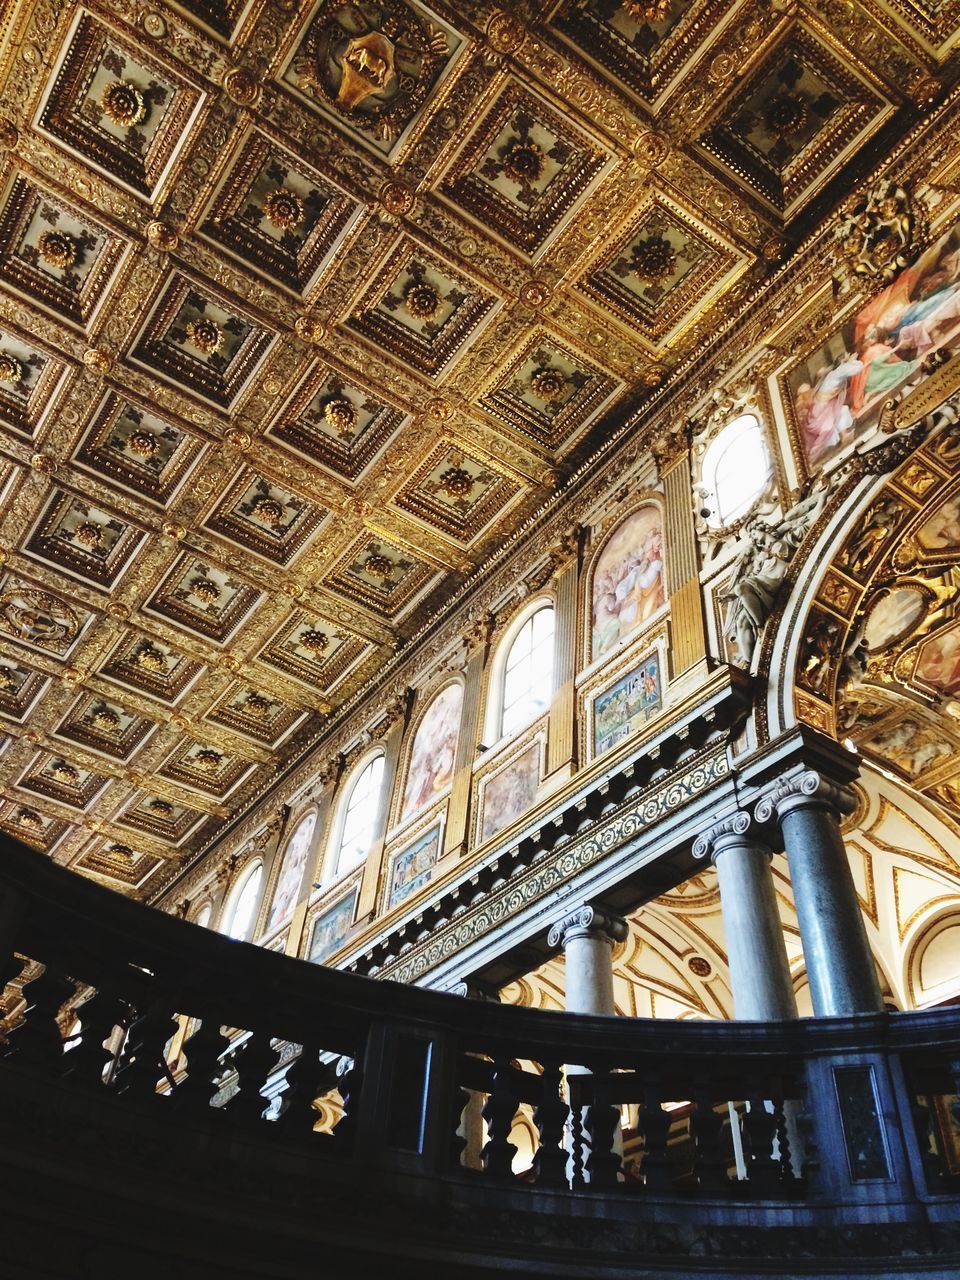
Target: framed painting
x,y
330,927
508,795
628,586
413,866
628,704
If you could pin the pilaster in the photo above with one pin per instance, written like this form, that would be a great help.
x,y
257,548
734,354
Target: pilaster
x,y
455,840
562,738
688,638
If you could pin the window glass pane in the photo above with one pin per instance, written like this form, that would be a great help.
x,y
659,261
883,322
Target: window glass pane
x,y
528,672
240,924
360,817
736,470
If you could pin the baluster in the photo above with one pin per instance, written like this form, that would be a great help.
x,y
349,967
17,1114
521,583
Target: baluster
x,y
578,1139
203,1048
38,1040
87,1062
550,1117
143,1065
255,1060
710,1159
350,1077
499,1112
654,1123
759,1130
465,1116
603,1120
302,1086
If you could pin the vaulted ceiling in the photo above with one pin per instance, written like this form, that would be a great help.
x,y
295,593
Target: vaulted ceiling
x,y
304,310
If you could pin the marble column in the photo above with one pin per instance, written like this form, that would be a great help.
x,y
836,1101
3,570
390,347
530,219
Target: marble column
x,y
759,972
840,967
587,935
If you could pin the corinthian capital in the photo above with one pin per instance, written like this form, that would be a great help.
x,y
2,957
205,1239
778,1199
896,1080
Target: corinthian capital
x,y
737,830
805,790
587,922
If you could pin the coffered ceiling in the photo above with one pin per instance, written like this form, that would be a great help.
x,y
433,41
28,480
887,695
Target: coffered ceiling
x,y
304,309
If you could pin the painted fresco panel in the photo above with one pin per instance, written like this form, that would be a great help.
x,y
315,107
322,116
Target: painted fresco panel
x,y
510,793
628,586
331,927
628,704
839,390
434,750
413,867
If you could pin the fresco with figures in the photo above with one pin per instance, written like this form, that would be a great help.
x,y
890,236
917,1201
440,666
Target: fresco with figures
x,y
838,391
331,927
628,583
434,750
413,867
627,705
291,873
511,792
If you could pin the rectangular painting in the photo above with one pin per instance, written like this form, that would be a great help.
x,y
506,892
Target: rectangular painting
x,y
839,390
331,927
413,867
511,792
621,710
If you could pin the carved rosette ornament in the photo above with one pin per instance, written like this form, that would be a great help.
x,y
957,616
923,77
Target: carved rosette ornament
x,y
456,482
121,853
505,32
161,808
30,819
876,231
96,360
208,760
7,678
310,328
106,720
57,249
653,260
397,198
786,115
421,300
151,659
314,641
523,161
143,443
242,86
9,134
268,511
205,335
257,707
162,237
378,566
11,370
549,385
341,415
123,104
205,591
283,209
65,773
88,534
648,10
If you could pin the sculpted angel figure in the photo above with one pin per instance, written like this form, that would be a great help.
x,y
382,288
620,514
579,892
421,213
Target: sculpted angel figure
x,y
760,570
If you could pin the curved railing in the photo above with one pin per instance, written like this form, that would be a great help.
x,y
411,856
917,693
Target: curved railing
x,y
137,1013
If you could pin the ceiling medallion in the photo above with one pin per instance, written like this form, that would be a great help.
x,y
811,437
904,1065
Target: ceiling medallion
x,y
269,511
314,641
421,300
105,719
368,68
208,760
64,772
523,161
341,416
88,534
162,237
123,103
456,481
397,198
786,115
242,86
647,10
505,32
96,359
549,384
653,259
205,591
151,659
57,248
205,334
283,208
9,681
310,328
162,808
257,706
11,370
378,567
143,443
699,966
121,853
30,819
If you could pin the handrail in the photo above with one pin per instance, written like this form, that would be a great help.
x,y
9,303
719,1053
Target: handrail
x,y
824,1113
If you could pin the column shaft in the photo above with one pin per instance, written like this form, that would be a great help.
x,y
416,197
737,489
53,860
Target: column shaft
x,y
759,972
840,968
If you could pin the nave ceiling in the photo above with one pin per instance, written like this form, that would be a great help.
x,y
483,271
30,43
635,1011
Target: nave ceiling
x,y
304,311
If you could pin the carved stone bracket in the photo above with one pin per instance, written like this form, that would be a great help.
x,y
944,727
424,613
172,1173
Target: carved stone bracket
x,y
587,922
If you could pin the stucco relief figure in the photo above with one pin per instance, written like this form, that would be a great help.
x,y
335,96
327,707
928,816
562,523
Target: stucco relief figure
x,y
291,873
759,573
434,750
628,585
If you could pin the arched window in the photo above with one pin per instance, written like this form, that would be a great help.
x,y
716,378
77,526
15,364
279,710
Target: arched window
x,y
361,814
202,917
736,471
241,913
527,682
